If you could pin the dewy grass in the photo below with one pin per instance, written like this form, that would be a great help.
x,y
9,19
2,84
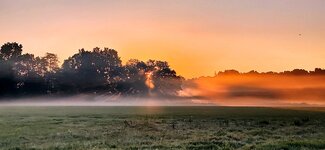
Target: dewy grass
x,y
160,128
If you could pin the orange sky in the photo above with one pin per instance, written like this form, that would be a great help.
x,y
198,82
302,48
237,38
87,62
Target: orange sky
x,y
196,37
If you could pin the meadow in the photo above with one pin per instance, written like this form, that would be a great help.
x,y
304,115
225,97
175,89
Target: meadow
x,y
85,127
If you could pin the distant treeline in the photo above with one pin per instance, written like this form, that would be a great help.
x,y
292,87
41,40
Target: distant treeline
x,y
296,72
99,71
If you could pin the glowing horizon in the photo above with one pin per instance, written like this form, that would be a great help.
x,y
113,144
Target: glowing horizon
x,y
195,37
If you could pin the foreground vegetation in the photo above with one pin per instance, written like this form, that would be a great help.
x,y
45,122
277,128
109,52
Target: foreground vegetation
x,y
161,128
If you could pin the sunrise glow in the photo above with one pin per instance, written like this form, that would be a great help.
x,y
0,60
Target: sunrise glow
x,y
195,37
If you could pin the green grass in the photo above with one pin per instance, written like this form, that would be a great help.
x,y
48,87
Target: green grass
x,y
160,128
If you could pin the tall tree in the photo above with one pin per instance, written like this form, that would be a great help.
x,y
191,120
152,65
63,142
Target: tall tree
x,y
8,53
165,80
29,72
91,71
134,78
10,50
51,62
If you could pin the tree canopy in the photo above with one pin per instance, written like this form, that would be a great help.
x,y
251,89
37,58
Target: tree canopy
x,y
99,71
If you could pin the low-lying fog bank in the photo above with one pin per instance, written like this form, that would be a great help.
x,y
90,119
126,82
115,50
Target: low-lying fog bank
x,y
95,100
91,100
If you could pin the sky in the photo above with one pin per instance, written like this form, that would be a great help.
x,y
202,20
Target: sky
x,y
197,37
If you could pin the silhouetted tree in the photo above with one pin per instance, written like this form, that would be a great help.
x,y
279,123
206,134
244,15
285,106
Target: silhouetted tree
x,y
51,65
7,79
296,72
318,71
165,80
229,72
252,72
134,78
154,76
8,54
29,72
51,62
91,71
10,50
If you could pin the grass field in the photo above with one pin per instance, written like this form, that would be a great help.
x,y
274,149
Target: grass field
x,y
76,127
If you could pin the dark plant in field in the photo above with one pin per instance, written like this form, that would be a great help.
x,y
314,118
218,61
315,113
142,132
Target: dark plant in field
x,y
305,120
297,122
264,122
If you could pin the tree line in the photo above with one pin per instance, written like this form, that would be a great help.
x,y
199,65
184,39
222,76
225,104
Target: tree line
x,y
99,71
294,72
